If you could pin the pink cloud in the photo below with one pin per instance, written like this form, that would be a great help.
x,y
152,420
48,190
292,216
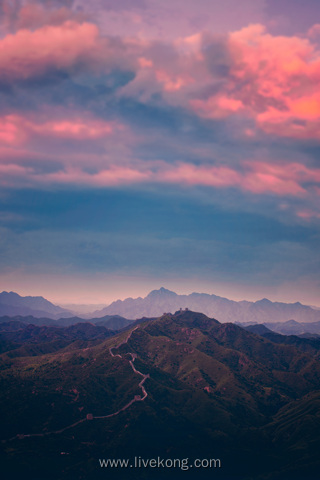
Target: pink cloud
x,y
272,79
14,129
216,106
282,179
35,15
255,177
273,64
65,46
280,77
10,130
314,31
76,128
301,119
145,62
172,83
12,169
307,214
177,69
272,178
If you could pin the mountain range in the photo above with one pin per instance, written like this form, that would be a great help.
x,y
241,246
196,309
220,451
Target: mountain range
x,y
12,304
291,327
112,322
159,301
286,318
210,390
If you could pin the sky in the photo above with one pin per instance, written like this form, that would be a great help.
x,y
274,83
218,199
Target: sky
x,y
160,143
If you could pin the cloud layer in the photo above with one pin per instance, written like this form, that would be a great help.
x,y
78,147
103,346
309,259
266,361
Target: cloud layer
x,y
219,106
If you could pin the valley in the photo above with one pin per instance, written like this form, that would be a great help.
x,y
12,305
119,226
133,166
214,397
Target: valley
x,y
206,389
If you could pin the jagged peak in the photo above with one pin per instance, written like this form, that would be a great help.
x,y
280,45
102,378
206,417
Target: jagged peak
x,y
161,291
263,301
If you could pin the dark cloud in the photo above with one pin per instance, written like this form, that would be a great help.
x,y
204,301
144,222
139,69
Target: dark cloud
x,y
217,55
152,234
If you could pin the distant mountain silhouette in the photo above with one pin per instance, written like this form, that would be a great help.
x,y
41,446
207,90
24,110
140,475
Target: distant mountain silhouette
x,y
291,327
159,301
12,304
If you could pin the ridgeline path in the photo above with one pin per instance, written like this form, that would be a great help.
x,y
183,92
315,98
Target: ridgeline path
x,y
90,417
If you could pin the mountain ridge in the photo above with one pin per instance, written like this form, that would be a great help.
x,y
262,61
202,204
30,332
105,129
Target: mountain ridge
x,y
212,387
163,300
225,310
113,322
11,303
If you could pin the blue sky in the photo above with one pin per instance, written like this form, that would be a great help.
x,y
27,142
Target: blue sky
x,y
155,143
